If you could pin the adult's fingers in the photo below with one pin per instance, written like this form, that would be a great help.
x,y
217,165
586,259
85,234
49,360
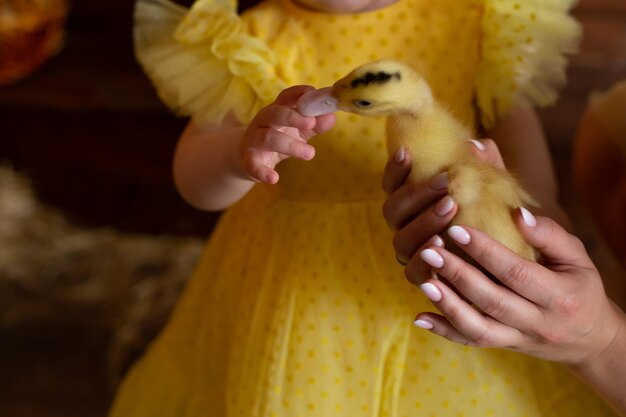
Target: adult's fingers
x,y
411,199
524,277
440,326
416,270
431,222
396,171
478,329
486,150
497,301
557,246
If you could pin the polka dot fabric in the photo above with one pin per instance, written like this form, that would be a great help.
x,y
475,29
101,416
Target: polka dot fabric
x,y
298,307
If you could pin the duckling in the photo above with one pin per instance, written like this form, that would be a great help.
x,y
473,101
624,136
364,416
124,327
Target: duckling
x,y
486,195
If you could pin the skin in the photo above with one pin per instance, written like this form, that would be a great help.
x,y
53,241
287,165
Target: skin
x,y
405,200
215,166
344,6
556,311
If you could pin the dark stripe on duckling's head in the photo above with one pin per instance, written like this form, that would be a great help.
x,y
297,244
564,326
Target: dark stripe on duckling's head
x,y
374,77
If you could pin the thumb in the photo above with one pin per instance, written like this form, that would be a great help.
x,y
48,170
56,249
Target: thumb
x,y
289,96
556,245
487,151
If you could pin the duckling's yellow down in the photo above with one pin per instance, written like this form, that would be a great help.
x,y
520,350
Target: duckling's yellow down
x,y
486,195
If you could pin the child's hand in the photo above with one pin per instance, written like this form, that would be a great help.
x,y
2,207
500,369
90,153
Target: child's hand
x,y
418,212
279,131
556,312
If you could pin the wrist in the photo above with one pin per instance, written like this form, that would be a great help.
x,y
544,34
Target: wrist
x,y
236,155
611,344
605,371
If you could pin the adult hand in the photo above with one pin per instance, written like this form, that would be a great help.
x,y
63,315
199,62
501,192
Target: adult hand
x,y
419,212
556,311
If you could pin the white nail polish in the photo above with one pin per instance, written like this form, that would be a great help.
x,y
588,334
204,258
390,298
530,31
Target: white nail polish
x,y
399,155
478,145
423,324
432,258
528,218
459,234
444,206
438,241
431,291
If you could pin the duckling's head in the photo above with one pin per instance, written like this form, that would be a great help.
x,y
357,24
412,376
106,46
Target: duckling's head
x,y
381,88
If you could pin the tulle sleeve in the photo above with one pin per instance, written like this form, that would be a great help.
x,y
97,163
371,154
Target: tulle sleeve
x,y
523,54
202,62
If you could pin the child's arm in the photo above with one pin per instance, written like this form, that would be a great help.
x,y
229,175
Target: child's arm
x,y
525,151
214,166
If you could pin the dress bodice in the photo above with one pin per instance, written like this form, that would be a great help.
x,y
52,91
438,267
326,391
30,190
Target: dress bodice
x,y
438,38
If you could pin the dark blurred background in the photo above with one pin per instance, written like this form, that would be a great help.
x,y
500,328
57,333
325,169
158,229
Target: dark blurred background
x,y
95,144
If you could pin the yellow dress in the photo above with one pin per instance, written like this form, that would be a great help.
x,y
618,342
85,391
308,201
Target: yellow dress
x,y
298,307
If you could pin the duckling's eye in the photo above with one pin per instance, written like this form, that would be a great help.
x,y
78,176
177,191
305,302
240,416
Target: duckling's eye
x,y
363,104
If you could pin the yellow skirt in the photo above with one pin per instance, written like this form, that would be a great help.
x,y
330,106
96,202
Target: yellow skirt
x,y
299,309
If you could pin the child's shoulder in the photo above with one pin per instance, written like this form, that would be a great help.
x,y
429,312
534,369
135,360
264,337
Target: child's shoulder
x,y
203,61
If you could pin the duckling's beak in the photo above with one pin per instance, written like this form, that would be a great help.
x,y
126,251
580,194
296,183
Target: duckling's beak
x,y
317,102
337,92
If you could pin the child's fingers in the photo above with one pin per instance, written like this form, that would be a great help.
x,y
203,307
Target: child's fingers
x,y
478,329
290,96
324,122
255,166
273,140
494,300
396,171
275,116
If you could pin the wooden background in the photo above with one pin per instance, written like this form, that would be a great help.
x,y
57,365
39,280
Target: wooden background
x,y
90,132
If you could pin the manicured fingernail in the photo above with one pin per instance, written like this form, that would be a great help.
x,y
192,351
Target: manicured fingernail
x,y
478,145
444,206
528,218
437,241
432,258
431,291
399,155
423,324
459,234
439,182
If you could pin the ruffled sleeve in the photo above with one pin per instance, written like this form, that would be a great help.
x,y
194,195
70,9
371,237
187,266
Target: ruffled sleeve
x,y
523,50
202,62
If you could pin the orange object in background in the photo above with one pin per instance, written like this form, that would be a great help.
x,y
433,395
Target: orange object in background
x,y
30,32
599,164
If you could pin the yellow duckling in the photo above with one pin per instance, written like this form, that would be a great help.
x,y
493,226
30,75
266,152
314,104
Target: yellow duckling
x,y
435,140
